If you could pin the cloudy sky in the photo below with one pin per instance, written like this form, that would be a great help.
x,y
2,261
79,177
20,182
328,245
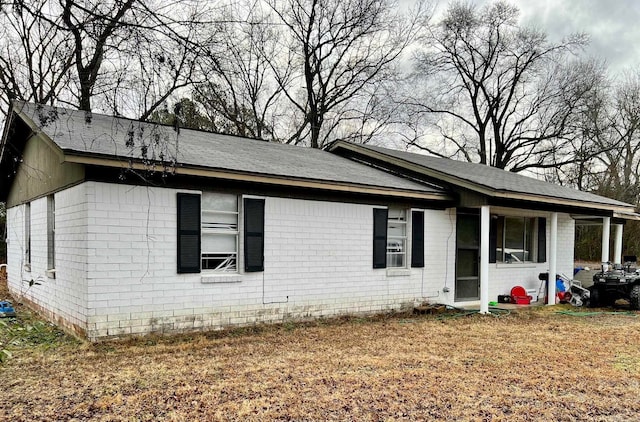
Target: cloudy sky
x,y
613,25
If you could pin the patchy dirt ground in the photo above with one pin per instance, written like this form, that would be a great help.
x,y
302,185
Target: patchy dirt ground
x,y
530,365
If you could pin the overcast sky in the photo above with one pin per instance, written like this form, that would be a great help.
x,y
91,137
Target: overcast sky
x,y
613,25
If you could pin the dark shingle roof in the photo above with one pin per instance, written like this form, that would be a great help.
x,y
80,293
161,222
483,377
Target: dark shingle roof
x,y
486,178
95,134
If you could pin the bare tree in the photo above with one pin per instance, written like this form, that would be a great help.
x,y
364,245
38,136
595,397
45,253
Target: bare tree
x,y
501,94
240,94
162,64
94,27
184,114
616,169
129,55
35,58
612,128
155,42
337,48
591,125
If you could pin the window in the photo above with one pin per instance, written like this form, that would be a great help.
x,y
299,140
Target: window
x,y
219,232
515,239
390,238
27,233
396,238
208,233
51,232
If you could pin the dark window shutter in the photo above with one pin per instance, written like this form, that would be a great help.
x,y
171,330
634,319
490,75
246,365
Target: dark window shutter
x,y
542,239
417,239
380,216
188,233
493,238
253,210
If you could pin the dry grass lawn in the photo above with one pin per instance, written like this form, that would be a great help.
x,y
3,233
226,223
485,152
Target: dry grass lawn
x,y
531,365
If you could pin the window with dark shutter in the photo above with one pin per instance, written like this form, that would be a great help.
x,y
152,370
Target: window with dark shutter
x,y
188,233
542,239
253,210
417,239
380,237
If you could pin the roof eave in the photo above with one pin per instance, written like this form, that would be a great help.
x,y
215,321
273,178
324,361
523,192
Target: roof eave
x,y
16,107
566,202
627,215
476,187
14,114
5,133
116,162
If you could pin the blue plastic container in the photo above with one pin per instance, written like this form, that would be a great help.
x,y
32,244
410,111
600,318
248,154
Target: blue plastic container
x,y
6,310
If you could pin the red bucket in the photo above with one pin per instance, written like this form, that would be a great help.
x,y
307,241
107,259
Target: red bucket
x,y
519,296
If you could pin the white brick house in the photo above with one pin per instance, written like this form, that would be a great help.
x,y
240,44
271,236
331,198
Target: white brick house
x,y
126,228
509,227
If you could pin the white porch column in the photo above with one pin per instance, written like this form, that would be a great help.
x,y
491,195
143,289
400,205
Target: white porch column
x,y
484,259
617,244
553,252
606,234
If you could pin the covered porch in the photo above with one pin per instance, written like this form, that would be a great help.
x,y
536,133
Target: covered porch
x,y
612,227
487,197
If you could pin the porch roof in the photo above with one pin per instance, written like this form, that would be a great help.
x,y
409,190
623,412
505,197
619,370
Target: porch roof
x,y
488,181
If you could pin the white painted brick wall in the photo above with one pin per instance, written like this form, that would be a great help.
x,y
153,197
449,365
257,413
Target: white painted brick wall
x,y
63,298
440,256
116,264
318,261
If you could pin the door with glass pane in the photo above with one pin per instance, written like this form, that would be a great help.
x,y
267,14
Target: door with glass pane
x,y
467,257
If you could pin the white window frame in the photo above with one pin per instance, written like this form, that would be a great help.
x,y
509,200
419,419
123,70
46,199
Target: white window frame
x,y
209,227
402,253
